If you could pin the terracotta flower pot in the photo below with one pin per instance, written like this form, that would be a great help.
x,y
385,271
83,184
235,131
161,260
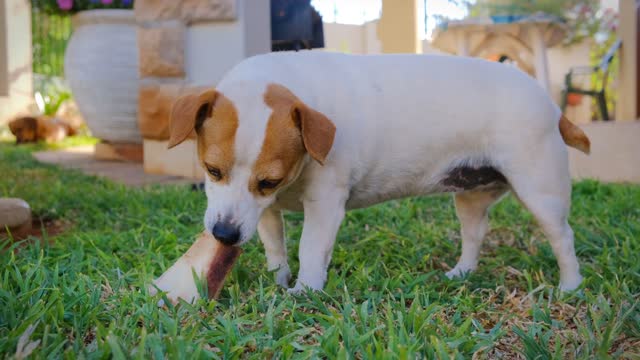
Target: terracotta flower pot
x,y
101,66
574,99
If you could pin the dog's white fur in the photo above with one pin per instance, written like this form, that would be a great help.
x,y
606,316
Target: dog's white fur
x,y
402,122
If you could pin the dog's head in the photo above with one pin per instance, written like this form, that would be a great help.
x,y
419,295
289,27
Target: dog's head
x,y
33,129
249,150
25,129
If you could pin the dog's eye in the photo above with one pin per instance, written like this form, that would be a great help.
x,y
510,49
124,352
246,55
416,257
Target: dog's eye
x,y
268,184
215,172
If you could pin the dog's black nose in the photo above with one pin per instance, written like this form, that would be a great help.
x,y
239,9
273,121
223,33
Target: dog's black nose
x,y
226,233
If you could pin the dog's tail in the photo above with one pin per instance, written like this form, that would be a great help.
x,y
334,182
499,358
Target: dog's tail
x,y
574,136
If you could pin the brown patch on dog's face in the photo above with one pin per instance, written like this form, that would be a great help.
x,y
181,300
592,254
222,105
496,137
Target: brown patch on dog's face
x,y
292,129
216,140
282,149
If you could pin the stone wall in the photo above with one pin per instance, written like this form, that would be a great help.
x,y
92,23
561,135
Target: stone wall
x,y
162,33
185,46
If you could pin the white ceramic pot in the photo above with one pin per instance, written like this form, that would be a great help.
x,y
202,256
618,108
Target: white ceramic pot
x,y
101,67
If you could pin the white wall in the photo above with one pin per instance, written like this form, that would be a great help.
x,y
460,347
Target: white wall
x,y
213,48
344,38
16,67
373,44
427,48
352,39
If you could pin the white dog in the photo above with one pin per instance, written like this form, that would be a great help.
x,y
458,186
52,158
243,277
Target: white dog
x,y
323,133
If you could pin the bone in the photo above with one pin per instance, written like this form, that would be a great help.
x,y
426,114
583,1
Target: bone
x,y
223,259
209,259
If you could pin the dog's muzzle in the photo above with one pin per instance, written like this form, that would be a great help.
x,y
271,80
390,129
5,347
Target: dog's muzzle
x,y
226,233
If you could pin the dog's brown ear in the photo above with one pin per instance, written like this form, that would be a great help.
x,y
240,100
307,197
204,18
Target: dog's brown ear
x,y
317,131
188,113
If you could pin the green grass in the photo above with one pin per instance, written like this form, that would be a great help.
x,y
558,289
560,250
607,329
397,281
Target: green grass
x,y
81,293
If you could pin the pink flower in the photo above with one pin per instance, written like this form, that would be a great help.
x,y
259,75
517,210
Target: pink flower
x,y
65,4
107,2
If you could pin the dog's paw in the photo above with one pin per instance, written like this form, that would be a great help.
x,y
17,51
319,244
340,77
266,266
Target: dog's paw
x,y
570,284
458,271
298,289
283,276
302,288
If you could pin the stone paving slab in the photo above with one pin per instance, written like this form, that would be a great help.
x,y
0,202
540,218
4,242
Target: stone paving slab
x,y
128,173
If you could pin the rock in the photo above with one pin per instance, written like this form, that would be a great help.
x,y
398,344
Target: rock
x,y
15,214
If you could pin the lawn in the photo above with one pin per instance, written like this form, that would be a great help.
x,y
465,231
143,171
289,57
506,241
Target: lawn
x,y
81,293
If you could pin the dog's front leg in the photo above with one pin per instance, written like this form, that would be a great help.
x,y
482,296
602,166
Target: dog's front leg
x,y
271,232
323,215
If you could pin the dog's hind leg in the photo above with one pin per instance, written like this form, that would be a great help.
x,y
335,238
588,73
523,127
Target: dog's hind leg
x,y
551,212
271,233
472,210
546,191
